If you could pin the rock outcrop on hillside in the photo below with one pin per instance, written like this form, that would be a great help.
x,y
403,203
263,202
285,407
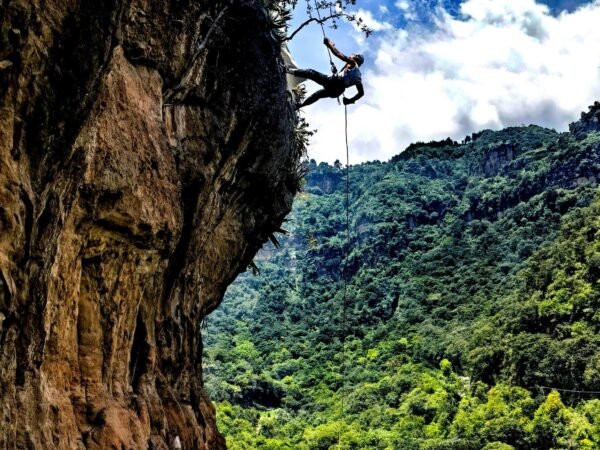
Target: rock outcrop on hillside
x,y
145,155
589,121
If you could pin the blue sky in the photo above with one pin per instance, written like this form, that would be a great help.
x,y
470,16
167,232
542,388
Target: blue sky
x,y
439,68
306,46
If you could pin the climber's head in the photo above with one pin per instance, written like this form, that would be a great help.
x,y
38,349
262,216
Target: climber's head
x,y
358,58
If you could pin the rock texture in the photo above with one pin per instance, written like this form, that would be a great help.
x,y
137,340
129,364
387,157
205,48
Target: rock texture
x,y
146,153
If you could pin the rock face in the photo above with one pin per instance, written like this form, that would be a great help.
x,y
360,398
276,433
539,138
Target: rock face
x,y
146,153
588,123
496,158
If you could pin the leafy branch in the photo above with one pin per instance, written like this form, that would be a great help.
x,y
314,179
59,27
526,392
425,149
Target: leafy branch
x,y
318,11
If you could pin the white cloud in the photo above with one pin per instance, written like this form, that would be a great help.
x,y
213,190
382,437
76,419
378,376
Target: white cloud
x,y
403,5
407,9
370,21
500,64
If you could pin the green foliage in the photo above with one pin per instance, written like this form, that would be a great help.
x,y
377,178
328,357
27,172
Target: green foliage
x,y
472,275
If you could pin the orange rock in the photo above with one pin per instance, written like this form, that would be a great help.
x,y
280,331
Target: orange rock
x,y
138,176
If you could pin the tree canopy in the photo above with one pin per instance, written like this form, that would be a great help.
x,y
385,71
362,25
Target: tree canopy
x,y
472,310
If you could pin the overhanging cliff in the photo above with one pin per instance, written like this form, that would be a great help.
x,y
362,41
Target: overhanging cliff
x,y
146,153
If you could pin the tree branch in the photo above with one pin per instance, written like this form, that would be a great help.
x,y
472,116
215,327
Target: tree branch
x,y
188,73
313,19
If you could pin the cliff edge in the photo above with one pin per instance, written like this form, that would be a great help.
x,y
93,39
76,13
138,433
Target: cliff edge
x,y
146,153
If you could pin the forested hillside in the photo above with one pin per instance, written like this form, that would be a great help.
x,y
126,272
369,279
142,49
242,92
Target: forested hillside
x,y
472,307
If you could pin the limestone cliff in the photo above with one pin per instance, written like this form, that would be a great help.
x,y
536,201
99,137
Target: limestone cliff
x,y
146,153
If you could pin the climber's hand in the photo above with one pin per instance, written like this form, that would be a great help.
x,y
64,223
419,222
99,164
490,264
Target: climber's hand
x,y
347,101
327,42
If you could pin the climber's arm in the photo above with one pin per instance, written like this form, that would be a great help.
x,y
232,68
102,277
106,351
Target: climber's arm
x,y
331,46
361,92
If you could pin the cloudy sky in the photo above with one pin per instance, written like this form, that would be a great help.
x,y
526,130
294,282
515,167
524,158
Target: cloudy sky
x,y
448,68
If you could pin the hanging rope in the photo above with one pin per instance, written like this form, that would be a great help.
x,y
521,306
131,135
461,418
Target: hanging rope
x,y
333,68
572,391
347,246
345,274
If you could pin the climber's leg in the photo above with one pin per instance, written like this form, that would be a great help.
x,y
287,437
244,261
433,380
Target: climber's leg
x,y
310,74
321,93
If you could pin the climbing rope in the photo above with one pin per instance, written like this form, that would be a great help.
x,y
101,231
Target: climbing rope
x,y
345,274
333,68
344,326
543,390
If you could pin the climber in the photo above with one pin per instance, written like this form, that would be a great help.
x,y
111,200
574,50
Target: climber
x,y
334,85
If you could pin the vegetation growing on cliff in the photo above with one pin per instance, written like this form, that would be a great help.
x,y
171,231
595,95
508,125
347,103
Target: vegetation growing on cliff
x,y
474,275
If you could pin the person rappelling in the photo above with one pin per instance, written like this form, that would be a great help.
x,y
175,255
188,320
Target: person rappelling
x,y
334,85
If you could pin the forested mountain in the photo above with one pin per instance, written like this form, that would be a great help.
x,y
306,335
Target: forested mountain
x,y
471,314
